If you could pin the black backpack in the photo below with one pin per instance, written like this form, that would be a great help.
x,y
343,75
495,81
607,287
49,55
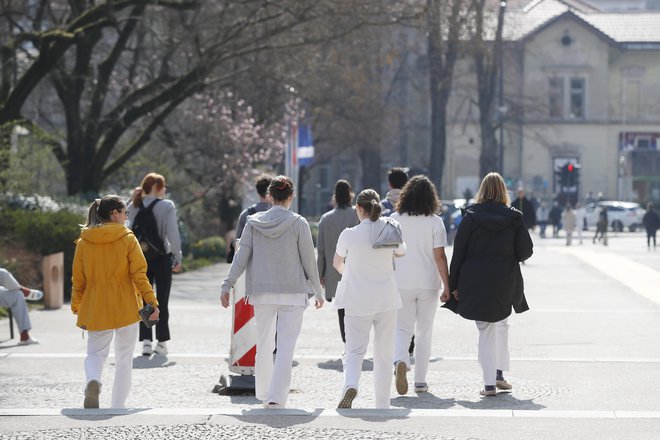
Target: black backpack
x,y
145,229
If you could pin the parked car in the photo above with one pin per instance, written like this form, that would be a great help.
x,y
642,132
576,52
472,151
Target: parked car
x,y
620,215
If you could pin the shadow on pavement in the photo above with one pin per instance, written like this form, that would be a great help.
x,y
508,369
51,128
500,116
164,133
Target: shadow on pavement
x,y
99,414
278,418
501,401
336,364
375,415
331,364
152,361
422,401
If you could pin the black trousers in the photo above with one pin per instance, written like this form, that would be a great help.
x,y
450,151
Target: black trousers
x,y
341,313
160,273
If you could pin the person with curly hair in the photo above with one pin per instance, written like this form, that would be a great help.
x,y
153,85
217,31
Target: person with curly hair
x,y
421,275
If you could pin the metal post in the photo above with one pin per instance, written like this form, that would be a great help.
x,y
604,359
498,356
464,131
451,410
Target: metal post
x,y
500,104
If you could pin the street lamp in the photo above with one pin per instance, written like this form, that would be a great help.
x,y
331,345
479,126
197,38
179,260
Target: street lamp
x,y
500,99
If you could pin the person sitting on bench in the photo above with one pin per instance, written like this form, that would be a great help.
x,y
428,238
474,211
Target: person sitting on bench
x,y
13,296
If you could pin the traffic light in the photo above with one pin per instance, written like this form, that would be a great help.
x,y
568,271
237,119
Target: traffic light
x,y
568,175
572,174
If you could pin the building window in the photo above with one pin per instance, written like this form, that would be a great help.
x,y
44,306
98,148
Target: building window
x,y
556,97
567,97
577,98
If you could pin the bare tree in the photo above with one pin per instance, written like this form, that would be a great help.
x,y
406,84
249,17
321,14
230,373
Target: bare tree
x,y
445,23
487,55
120,68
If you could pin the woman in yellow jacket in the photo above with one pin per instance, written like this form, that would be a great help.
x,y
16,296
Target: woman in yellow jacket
x,y
109,287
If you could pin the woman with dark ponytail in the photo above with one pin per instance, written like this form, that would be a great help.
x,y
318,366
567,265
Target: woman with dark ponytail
x,y
369,295
109,287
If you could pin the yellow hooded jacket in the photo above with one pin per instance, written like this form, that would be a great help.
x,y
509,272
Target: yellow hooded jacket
x,y
109,278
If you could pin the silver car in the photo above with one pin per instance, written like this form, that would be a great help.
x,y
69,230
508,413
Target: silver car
x,y
620,215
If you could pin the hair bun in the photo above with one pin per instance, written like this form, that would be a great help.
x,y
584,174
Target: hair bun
x,y
374,202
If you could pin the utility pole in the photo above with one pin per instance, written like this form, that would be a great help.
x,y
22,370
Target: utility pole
x,y
500,99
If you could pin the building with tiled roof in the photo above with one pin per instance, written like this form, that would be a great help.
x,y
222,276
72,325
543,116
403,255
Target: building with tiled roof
x,y
581,86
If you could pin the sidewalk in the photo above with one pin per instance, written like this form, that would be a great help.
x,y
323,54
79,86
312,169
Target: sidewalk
x,y
584,359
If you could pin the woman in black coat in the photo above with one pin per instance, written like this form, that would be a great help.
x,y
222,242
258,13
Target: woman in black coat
x,y
485,276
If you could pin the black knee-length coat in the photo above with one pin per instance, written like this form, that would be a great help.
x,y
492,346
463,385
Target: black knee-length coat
x,y
491,241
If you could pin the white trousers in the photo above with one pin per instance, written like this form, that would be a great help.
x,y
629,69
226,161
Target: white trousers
x,y
273,378
493,348
11,296
416,317
98,347
358,329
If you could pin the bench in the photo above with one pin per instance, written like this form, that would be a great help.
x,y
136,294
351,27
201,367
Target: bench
x,y
11,324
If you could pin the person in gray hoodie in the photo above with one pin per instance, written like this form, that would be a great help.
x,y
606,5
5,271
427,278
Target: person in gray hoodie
x,y
277,254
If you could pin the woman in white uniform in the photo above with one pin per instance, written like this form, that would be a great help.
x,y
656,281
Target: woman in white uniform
x,y
370,297
421,275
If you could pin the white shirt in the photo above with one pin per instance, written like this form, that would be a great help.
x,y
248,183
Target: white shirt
x,y
367,285
422,234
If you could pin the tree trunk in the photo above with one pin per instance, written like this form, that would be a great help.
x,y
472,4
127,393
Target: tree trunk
x,y
489,156
371,169
443,50
438,136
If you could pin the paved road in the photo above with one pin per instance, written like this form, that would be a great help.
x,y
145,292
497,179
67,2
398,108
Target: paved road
x,y
585,363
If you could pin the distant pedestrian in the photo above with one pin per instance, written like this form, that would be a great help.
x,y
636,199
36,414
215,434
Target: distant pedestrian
x,y
485,277
579,220
150,196
396,178
525,205
369,294
601,226
264,203
651,222
110,285
555,219
542,217
277,253
13,296
568,220
331,225
421,275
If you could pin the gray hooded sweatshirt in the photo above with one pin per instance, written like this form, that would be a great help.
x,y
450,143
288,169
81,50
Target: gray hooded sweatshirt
x,y
277,253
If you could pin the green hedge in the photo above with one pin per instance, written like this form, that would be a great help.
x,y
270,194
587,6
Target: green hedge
x,y
211,248
45,233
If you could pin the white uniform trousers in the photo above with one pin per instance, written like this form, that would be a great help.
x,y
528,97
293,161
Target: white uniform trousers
x,y
11,296
416,317
493,348
273,378
98,348
358,329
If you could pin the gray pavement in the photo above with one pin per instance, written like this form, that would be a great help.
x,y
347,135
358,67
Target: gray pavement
x,y
585,363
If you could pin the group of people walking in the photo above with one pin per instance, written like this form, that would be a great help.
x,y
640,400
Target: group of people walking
x,y
392,288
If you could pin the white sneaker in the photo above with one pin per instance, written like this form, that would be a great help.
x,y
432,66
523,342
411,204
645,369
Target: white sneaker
x,y
146,348
28,341
161,348
34,295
